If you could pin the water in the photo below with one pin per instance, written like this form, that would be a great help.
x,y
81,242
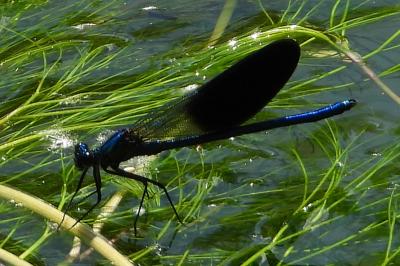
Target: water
x,y
253,185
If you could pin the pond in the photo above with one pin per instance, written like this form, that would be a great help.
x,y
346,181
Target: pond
x,y
322,193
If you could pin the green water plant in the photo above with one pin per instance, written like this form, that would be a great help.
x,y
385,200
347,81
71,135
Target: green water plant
x,y
302,198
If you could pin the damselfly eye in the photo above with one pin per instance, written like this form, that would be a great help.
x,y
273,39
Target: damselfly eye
x,y
83,156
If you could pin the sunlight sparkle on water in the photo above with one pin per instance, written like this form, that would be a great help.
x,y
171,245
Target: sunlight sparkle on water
x,y
105,135
83,26
255,35
307,208
59,139
233,43
142,211
149,8
16,204
72,100
139,165
340,164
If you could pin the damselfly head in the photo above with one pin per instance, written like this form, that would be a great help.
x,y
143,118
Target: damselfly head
x,y
84,157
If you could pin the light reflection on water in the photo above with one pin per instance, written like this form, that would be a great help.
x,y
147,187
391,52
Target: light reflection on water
x,y
253,173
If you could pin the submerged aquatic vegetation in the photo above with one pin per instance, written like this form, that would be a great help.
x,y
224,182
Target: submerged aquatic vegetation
x,y
294,196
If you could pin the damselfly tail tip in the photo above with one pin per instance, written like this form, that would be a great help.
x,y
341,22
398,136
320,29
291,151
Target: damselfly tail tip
x,y
351,103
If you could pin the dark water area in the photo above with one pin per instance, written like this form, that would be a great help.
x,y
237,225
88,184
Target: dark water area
x,y
324,193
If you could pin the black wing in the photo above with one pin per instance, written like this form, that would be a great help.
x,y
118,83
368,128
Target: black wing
x,y
229,99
